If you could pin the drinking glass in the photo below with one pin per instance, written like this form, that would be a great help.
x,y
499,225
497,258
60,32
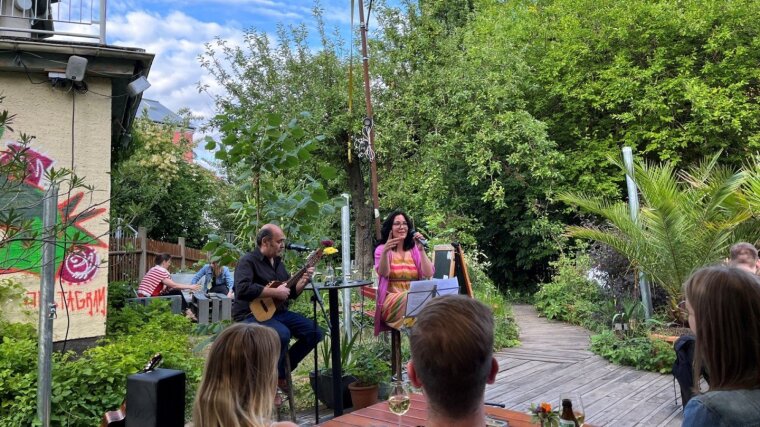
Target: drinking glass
x,y
578,411
398,399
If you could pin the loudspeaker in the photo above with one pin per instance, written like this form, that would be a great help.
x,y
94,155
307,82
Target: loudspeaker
x,y
156,399
76,68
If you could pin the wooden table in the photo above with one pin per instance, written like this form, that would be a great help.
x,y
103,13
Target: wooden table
x,y
379,415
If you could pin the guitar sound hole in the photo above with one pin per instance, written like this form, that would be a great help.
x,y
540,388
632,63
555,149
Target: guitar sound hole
x,y
264,306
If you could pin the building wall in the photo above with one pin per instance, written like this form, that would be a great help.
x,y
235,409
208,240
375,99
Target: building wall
x,y
46,113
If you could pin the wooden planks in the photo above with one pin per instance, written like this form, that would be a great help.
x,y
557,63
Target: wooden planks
x,y
554,358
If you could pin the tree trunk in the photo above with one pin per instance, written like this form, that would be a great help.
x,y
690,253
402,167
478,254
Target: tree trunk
x,y
363,220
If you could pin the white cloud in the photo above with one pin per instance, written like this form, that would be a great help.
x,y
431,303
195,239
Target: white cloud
x,y
177,40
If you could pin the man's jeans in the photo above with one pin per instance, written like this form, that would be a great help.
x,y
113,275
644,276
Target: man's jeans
x,y
289,324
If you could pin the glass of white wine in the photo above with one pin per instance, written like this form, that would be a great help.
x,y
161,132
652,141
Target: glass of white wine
x,y
578,411
398,399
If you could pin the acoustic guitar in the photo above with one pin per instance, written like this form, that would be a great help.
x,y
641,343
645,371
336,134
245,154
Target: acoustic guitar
x,y
263,308
118,418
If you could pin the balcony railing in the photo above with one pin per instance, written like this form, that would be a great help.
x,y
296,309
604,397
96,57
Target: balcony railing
x,y
47,18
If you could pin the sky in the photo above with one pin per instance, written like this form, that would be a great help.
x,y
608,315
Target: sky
x,y
176,30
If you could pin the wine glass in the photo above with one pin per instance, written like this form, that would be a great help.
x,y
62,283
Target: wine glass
x,y
578,411
398,399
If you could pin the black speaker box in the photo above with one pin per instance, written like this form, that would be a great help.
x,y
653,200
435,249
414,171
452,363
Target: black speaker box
x,y
156,399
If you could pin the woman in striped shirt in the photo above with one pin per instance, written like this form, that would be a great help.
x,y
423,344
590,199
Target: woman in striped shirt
x,y
399,259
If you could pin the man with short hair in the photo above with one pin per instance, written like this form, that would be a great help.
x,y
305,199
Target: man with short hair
x,y
744,256
452,359
254,271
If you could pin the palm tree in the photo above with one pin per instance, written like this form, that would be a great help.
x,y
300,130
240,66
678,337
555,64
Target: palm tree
x,y
687,220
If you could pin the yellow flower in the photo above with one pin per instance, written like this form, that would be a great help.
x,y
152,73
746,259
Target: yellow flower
x,y
330,250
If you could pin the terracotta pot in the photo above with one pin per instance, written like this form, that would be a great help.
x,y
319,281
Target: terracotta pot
x,y
363,396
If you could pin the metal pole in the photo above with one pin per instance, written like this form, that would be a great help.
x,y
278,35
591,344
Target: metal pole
x,y
368,103
633,204
103,21
345,239
47,305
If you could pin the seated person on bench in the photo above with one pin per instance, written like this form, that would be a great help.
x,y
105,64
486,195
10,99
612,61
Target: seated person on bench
x,y
217,279
158,281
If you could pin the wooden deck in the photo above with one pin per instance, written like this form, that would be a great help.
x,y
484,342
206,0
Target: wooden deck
x,y
554,358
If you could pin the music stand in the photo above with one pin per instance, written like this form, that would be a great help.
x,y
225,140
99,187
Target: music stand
x,y
422,291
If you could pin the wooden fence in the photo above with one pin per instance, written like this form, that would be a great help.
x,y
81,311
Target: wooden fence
x,y
131,254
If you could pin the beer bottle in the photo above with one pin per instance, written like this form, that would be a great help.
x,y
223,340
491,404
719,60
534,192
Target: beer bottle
x,y
567,417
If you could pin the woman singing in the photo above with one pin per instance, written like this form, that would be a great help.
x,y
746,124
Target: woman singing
x,y
399,259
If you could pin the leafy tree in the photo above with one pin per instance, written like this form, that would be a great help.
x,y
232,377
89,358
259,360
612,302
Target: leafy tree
x,y
688,219
260,147
156,188
675,80
456,143
282,78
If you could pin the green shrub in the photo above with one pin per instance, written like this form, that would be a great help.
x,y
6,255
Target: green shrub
x,y
506,333
85,387
570,296
639,352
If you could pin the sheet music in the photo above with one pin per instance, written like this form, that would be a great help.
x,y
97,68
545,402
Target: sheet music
x,y
422,291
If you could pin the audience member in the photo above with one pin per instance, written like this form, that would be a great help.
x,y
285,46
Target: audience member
x,y
216,279
744,256
724,313
452,359
158,281
240,379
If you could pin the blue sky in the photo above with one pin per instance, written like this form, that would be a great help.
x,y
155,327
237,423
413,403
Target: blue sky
x,y
175,31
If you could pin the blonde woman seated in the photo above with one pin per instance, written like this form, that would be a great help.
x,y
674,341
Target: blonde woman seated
x,y
240,379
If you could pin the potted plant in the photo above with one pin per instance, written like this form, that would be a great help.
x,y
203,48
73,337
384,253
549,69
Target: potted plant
x,y
370,369
323,382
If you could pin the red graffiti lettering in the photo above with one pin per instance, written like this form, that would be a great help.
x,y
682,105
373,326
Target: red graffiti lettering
x,y
91,302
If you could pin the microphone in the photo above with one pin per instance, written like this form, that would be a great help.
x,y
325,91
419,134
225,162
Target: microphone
x,y
423,241
297,248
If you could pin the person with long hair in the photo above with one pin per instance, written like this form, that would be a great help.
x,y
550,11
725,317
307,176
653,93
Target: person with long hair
x,y
240,379
216,279
399,259
724,313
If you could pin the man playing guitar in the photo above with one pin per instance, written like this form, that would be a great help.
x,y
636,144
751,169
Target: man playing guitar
x,y
254,271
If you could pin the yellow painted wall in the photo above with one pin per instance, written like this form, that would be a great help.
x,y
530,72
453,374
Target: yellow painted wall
x,y
46,112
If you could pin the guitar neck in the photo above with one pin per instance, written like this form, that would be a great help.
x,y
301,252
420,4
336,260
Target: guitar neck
x,y
310,262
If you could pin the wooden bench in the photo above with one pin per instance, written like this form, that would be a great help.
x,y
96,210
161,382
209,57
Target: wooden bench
x,y
212,308
176,301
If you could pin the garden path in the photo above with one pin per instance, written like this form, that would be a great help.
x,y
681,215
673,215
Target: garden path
x,y
554,358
